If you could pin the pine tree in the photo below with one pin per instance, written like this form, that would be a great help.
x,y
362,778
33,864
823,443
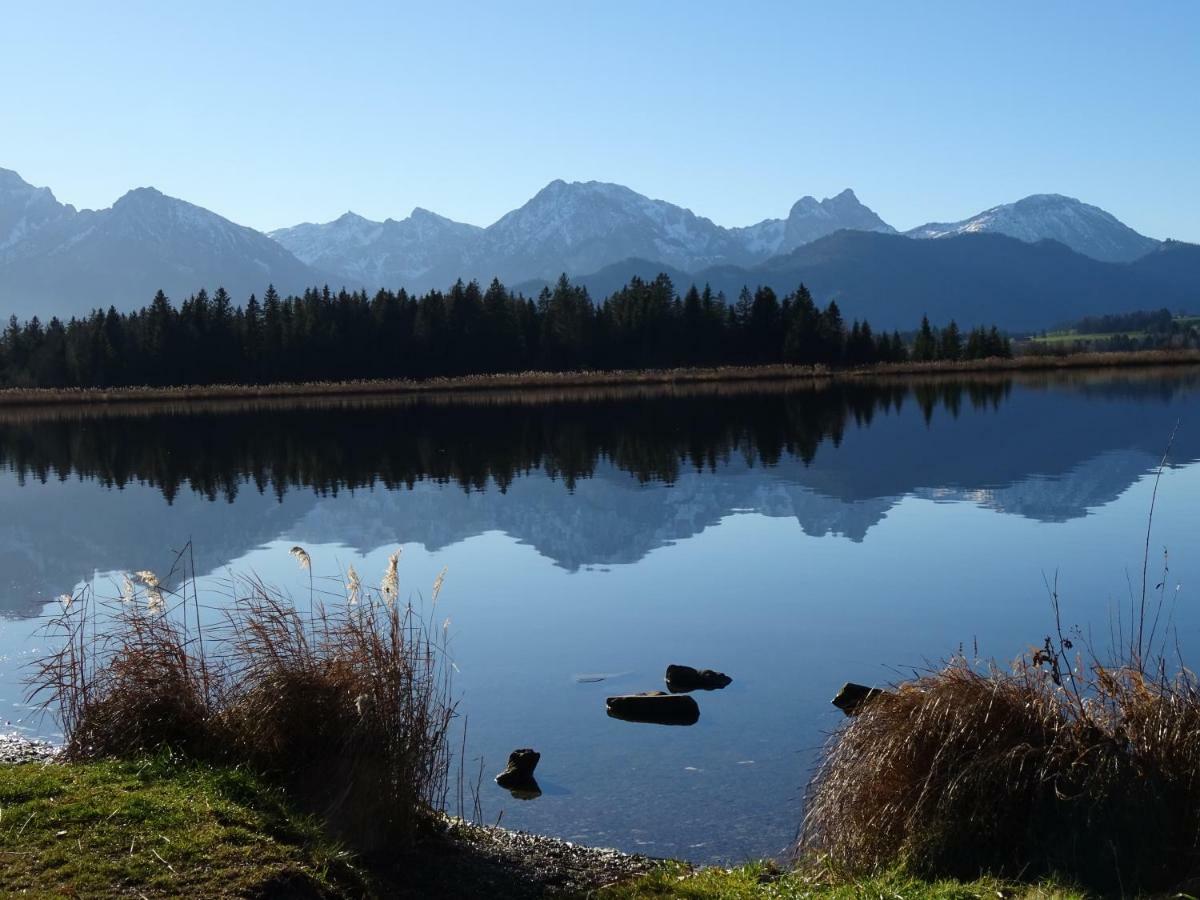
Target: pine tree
x,y
951,342
925,346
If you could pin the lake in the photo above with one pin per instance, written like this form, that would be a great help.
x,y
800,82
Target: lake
x,y
794,535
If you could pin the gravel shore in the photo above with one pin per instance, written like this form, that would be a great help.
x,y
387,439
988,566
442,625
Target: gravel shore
x,y
515,865
17,749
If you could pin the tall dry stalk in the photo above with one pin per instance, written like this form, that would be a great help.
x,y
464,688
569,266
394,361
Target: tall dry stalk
x,y
350,708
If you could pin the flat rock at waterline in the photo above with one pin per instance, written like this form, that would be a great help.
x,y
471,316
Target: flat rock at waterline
x,y
852,697
655,707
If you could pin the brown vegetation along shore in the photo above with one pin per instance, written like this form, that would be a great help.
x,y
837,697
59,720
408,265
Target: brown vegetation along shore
x,y
83,406
1055,767
1042,362
533,381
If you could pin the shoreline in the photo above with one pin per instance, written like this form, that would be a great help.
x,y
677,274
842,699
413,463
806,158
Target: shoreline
x,y
122,828
472,385
461,858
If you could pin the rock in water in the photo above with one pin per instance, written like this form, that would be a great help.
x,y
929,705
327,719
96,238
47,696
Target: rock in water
x,y
656,707
681,679
517,777
851,697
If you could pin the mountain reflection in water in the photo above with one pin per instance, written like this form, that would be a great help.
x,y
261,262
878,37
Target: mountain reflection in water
x,y
587,477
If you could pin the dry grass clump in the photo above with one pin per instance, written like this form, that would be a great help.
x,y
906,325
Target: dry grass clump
x,y
347,704
1037,771
147,695
351,714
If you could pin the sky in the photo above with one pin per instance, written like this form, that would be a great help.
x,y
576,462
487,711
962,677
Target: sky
x,y
275,113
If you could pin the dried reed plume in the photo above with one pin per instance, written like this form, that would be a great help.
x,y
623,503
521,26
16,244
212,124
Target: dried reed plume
x,y
349,710
389,587
437,585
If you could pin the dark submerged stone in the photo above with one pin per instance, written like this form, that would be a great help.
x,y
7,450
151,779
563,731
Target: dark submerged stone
x,y
655,707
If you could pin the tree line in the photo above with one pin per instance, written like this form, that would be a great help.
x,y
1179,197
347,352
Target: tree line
x,y
654,436
323,335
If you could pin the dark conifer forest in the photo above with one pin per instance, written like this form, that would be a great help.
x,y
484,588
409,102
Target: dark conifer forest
x,y
468,330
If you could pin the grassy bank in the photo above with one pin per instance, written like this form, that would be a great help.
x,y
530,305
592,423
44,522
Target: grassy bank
x,y
160,829
526,381
761,880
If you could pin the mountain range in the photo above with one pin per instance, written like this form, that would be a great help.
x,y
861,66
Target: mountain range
x,y
1029,264
574,228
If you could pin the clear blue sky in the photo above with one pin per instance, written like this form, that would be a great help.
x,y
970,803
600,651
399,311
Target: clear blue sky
x,y
272,113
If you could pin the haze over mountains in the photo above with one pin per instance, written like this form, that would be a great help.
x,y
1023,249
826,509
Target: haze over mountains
x,y
1041,260
575,228
57,260
1084,228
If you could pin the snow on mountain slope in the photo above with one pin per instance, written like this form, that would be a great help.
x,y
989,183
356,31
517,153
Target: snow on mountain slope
x,y
55,259
574,227
808,220
1084,228
391,253
24,211
582,226
66,262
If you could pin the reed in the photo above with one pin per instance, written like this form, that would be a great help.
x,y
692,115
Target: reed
x,y
964,772
1061,765
347,704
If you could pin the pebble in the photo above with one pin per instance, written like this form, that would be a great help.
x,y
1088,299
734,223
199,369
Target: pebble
x,y
17,749
549,866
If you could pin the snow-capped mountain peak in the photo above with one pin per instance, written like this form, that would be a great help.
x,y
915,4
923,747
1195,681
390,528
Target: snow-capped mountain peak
x,y
810,219
567,226
57,259
54,257
583,226
26,210
1084,228
417,250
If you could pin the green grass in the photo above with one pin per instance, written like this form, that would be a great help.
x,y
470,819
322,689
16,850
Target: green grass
x,y
1070,337
163,828
758,880
159,829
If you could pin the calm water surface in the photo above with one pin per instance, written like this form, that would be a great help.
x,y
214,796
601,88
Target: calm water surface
x,y
791,536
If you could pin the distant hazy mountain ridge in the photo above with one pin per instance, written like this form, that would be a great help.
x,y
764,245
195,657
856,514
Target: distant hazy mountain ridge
x,y
892,280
